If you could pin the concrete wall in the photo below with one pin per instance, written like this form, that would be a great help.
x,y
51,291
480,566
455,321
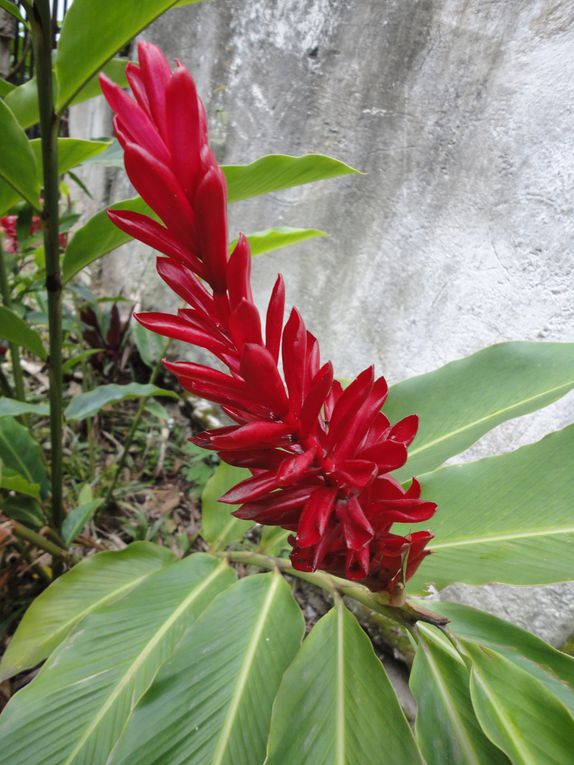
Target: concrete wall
x,y
461,113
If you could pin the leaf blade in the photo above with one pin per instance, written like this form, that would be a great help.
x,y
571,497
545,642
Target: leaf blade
x,y
18,166
218,527
88,404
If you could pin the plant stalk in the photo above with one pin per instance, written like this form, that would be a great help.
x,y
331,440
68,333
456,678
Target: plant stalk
x,y
41,26
19,389
406,614
23,532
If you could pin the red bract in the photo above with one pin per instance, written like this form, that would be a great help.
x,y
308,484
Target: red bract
x,y
320,455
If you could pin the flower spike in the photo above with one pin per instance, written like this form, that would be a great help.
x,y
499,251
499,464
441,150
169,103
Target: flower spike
x,y
321,456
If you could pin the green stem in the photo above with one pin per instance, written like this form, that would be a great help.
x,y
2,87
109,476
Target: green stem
x,y
23,532
406,614
41,25
133,430
14,350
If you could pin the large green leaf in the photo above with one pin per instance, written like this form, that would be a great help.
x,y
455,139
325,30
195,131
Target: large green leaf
x,y
460,402
517,712
92,33
5,87
275,172
211,703
446,728
23,100
11,407
76,708
16,330
71,152
270,173
90,403
17,163
20,453
503,519
272,239
218,527
336,705
96,581
552,667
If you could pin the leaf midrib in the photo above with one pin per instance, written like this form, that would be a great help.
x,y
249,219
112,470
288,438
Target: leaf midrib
x,y
340,716
512,732
142,656
451,710
505,537
227,727
493,415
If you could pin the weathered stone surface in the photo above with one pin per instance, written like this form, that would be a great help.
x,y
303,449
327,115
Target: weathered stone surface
x,y
461,233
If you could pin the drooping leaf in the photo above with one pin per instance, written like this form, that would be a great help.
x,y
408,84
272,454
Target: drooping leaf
x,y
212,701
93,583
23,100
517,712
272,239
447,730
275,172
11,407
24,509
16,330
13,10
13,481
99,235
552,667
77,518
503,519
19,452
92,33
77,706
460,402
219,528
336,704
90,403
17,163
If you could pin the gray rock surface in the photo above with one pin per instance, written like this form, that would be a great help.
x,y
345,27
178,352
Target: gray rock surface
x,y
461,234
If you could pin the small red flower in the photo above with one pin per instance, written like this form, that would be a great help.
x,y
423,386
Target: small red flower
x,y
320,455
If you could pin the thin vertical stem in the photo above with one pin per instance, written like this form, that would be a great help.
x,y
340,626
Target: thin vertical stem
x,y
41,24
14,350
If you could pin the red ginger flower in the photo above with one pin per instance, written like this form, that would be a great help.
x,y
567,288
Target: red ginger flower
x,y
320,456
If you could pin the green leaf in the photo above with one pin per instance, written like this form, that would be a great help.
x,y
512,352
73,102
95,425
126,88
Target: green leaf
x,y
17,163
446,727
460,402
11,407
5,87
503,519
76,708
219,528
93,583
71,152
77,518
517,712
88,404
274,540
23,100
275,172
272,239
552,667
20,453
13,481
212,701
78,358
99,235
24,509
336,704
13,10
16,330
92,33
150,345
